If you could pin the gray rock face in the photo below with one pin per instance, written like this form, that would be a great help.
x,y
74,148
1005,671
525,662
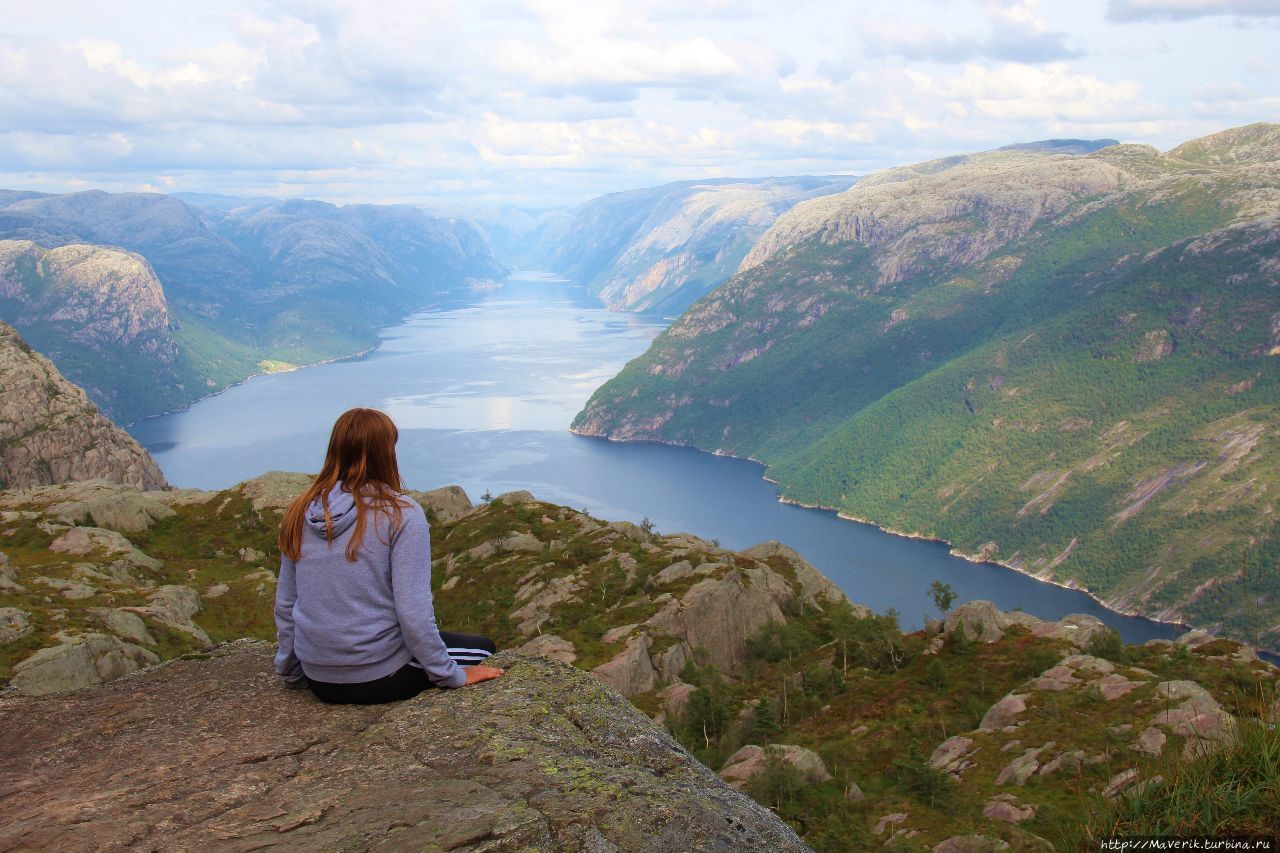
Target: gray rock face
x,y
175,605
983,621
1004,712
275,489
550,646
14,624
124,624
446,504
1198,718
750,761
545,757
94,659
51,433
815,587
631,671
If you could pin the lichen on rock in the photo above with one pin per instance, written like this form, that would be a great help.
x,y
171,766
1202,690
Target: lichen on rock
x,y
545,757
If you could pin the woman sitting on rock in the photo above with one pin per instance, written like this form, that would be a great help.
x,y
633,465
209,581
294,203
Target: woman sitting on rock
x,y
354,616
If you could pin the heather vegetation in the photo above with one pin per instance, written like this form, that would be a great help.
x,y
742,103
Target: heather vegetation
x,y
987,724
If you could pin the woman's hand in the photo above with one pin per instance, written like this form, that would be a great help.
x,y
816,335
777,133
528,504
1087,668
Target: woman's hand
x,y
481,673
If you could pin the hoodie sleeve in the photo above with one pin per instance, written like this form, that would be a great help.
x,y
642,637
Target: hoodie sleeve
x,y
411,589
288,667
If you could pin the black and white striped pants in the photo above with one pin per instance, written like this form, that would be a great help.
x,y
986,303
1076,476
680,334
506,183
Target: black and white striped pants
x,y
409,680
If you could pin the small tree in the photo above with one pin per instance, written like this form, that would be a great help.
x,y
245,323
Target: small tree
x,y
487,496
778,783
943,596
935,673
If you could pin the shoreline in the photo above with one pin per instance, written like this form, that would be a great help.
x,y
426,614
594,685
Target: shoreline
x,y
955,552
292,368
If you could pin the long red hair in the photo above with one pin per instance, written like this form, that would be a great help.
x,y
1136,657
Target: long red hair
x,y
362,457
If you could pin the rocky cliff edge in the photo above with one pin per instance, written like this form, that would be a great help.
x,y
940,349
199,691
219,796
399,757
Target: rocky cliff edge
x,y
209,752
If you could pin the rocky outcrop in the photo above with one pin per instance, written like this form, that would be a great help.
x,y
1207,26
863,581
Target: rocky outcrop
x,y
51,433
104,298
750,761
83,662
909,214
545,757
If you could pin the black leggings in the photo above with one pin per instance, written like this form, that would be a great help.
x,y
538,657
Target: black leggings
x,y
406,682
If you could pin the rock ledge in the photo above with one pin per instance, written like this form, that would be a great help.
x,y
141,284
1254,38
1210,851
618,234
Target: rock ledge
x,y
209,752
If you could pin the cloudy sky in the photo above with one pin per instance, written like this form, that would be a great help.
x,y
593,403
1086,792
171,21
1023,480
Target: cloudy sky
x,y
540,103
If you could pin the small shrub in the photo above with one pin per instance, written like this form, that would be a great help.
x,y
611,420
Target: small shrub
x,y
1107,644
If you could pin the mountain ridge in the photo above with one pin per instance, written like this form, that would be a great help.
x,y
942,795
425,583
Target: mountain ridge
x,y
952,353
247,288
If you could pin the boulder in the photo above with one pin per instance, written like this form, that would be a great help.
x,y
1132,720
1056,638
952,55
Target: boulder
x,y
1022,768
631,671
952,755
9,580
446,504
519,496
815,587
1004,712
634,532
675,698
1150,742
14,624
671,662
174,605
124,624
1078,629
213,754
275,490
1070,761
1204,725
1115,685
530,616
675,572
550,646
88,660
78,541
128,511
750,761
525,543
982,621
1006,807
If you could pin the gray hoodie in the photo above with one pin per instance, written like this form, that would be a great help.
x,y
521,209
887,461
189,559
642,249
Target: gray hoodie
x,y
348,622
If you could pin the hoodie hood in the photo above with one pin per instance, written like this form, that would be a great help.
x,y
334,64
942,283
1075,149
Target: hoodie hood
x,y
342,513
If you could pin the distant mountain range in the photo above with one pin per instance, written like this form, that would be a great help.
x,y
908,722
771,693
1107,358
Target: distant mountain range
x,y
1066,362
150,301
661,248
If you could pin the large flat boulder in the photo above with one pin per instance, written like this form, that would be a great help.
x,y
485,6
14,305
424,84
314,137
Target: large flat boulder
x,y
88,660
214,754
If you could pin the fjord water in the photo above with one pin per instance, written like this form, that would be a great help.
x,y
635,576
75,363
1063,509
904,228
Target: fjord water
x,y
483,391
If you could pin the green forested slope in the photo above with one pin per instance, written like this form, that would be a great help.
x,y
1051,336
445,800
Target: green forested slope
x,y
1066,363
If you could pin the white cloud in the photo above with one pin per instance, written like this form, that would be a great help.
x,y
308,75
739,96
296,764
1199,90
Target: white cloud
x,y
1182,10
550,101
1019,92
